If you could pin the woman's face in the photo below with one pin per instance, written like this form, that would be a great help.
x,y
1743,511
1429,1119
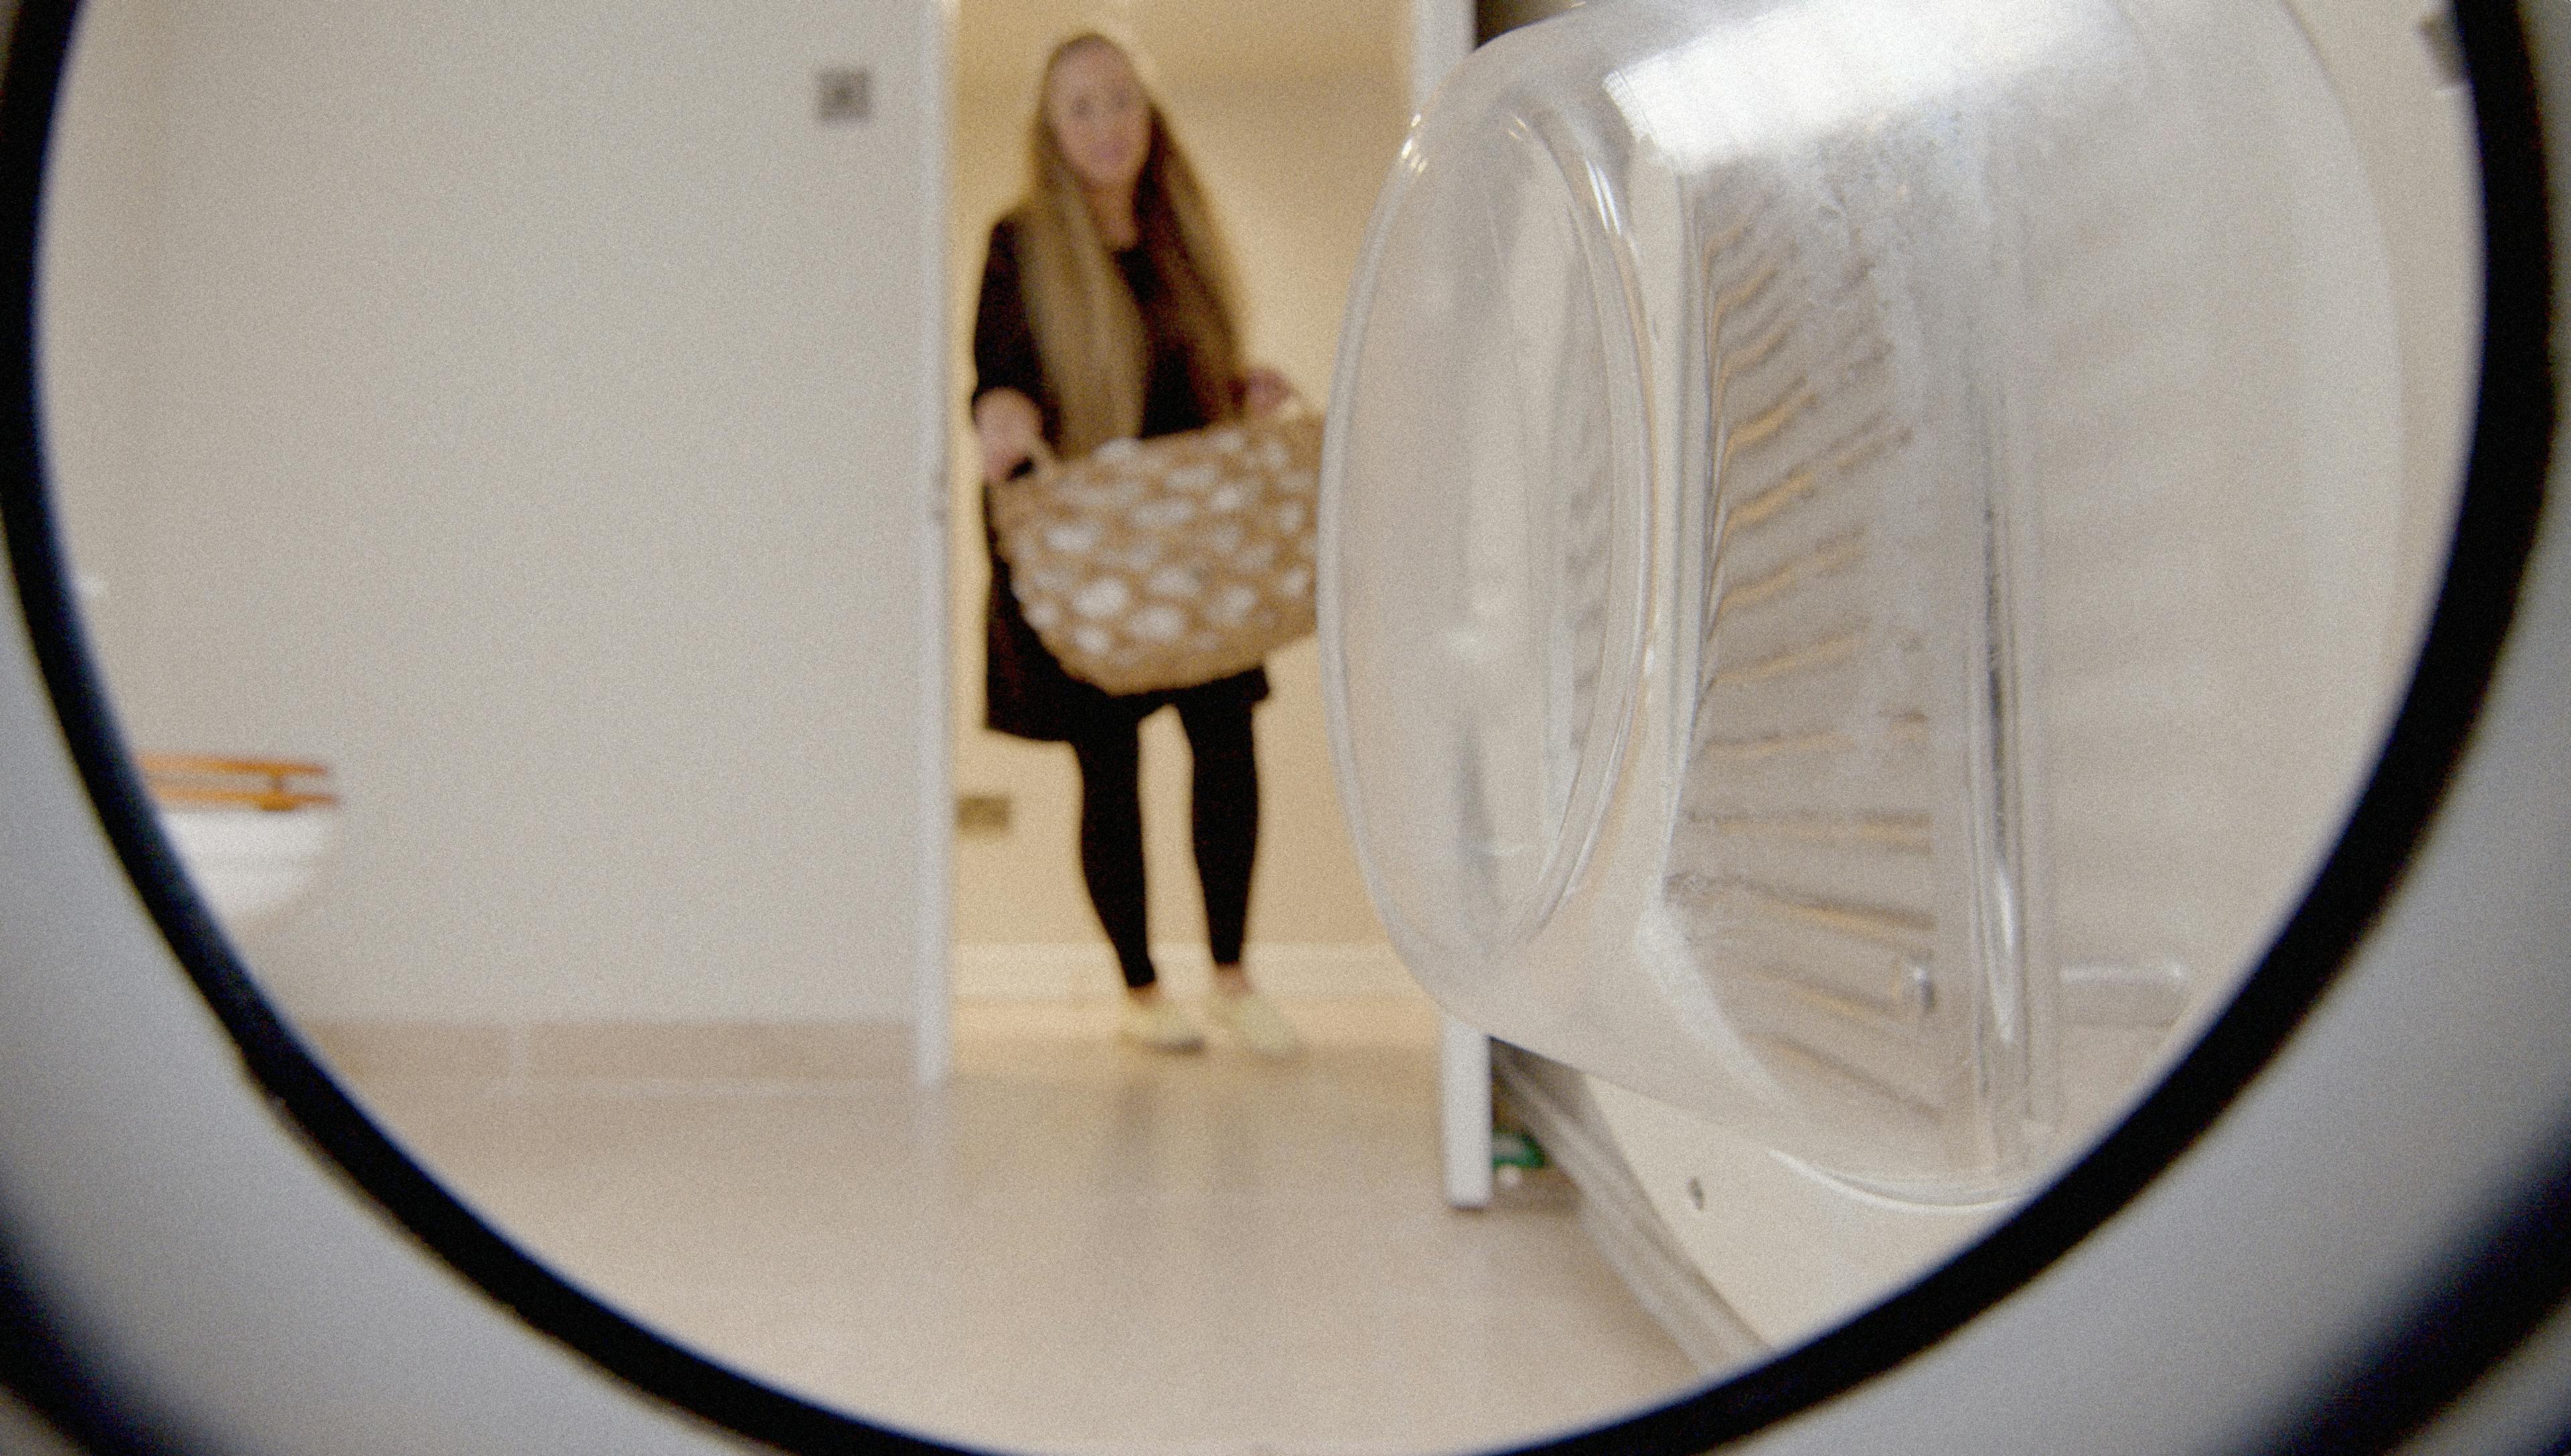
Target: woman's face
x,y
1099,117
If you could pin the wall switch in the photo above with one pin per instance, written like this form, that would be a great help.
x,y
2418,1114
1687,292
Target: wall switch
x,y
982,815
845,94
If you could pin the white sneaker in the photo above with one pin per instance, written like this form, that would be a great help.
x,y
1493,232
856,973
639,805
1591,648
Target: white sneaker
x,y
1255,1020
1158,1023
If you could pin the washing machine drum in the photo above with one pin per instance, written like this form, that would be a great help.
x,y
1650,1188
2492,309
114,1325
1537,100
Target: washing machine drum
x,y
1868,549
1874,564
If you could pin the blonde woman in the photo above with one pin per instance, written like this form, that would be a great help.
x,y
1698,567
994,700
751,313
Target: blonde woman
x,y
1107,313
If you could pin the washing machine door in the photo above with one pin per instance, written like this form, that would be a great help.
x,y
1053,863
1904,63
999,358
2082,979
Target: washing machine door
x,y
1869,558
1869,547
1838,594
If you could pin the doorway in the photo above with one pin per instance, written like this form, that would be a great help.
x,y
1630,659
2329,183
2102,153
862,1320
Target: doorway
x,y
1292,114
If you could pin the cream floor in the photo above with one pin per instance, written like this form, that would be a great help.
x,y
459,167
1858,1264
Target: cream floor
x,y
1074,1246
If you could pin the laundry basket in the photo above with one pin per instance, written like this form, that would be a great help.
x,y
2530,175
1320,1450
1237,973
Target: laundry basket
x,y
1166,563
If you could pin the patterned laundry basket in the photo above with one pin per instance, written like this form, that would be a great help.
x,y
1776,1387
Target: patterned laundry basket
x,y
1168,562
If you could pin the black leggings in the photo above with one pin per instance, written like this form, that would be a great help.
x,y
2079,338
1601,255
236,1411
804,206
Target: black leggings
x,y
1225,820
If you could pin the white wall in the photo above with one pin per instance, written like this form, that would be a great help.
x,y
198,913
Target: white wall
x,y
520,407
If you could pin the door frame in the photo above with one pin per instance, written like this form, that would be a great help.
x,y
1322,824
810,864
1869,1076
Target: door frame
x,y
932,993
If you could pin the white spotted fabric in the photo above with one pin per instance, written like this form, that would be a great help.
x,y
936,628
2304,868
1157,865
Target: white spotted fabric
x,y
1170,562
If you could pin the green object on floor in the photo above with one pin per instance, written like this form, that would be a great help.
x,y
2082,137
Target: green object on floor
x,y
1511,1149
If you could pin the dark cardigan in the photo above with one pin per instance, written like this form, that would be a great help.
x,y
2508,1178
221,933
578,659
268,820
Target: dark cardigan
x,y
1025,691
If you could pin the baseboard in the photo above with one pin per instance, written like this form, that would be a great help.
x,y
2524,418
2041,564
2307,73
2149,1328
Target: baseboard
x,y
1046,971
381,1047
615,1050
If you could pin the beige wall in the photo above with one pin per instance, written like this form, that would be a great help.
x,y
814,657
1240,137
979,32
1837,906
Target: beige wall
x,y
526,410
1293,113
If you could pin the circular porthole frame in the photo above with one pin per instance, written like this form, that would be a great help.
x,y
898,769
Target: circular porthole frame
x,y
2514,1276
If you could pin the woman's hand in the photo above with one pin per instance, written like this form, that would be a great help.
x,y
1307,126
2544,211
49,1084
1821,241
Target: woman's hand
x,y
1264,391
1009,427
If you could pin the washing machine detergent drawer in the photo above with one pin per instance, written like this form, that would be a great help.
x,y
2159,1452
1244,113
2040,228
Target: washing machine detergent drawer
x,y
1865,546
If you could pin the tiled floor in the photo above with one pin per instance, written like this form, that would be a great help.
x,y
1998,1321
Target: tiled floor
x,y
1076,1245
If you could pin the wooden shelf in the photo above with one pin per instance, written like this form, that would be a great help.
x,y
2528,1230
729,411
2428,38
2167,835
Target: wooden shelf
x,y
201,780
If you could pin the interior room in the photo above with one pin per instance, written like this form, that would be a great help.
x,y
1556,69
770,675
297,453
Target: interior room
x,y
525,459
1807,728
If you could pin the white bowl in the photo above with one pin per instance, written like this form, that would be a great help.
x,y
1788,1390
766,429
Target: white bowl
x,y
252,865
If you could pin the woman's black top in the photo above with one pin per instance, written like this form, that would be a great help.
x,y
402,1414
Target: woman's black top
x,y
1025,691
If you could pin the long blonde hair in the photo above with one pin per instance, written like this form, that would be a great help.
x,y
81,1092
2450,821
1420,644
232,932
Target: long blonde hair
x,y
1088,331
